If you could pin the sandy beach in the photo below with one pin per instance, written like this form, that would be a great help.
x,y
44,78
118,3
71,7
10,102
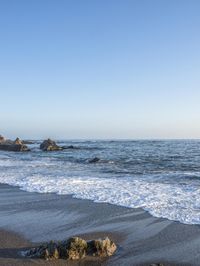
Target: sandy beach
x,y
31,218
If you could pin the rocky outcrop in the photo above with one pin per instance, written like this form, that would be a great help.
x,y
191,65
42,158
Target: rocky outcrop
x,y
9,145
13,147
74,248
18,142
101,248
49,145
2,139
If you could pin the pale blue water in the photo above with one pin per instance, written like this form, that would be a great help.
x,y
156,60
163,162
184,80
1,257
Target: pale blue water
x,y
162,177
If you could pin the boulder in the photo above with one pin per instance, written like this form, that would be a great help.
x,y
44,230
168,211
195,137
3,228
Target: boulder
x,y
49,145
102,248
7,141
18,141
2,139
13,147
73,249
51,251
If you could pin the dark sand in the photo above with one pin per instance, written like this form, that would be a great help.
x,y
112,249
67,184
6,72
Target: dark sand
x,y
27,219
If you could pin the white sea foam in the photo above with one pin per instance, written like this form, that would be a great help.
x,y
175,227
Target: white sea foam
x,y
175,201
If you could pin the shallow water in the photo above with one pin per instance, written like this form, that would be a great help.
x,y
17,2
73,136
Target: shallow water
x,y
162,177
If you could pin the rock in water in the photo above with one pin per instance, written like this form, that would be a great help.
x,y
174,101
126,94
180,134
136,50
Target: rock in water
x,y
94,160
18,142
102,248
70,147
2,139
49,145
157,264
5,141
8,145
28,142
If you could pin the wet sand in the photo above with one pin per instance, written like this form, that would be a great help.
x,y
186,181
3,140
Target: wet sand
x,y
27,219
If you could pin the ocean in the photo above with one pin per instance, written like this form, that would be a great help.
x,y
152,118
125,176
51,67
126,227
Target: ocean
x,y
160,176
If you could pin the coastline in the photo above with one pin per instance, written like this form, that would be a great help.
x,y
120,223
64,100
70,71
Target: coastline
x,y
31,218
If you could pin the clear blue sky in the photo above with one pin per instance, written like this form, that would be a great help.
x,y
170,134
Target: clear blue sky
x,y
100,68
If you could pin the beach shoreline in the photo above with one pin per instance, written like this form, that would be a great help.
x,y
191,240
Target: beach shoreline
x,y
28,219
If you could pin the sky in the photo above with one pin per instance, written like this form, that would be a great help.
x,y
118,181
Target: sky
x,y
100,69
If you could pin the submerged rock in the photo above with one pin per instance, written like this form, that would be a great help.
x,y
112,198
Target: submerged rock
x,y
74,248
28,142
70,147
94,160
156,264
49,145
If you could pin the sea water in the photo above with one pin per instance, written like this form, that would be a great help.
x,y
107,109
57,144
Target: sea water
x,y
162,177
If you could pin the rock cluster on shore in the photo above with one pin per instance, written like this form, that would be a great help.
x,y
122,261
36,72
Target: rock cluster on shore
x,y
74,248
